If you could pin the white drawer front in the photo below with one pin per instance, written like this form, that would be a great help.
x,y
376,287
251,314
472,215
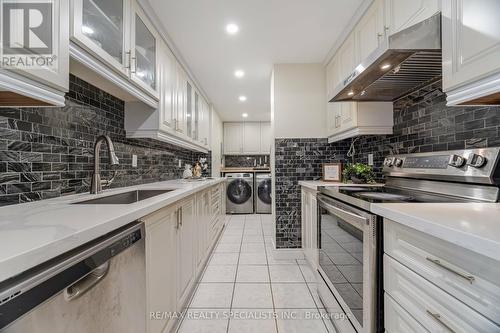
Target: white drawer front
x,y
433,308
397,320
472,278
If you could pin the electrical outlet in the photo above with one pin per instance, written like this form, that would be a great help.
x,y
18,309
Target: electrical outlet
x,y
370,159
180,163
134,161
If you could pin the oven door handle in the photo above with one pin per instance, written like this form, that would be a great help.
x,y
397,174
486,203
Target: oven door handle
x,y
345,215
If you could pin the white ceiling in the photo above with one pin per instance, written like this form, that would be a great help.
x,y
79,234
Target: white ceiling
x,y
271,31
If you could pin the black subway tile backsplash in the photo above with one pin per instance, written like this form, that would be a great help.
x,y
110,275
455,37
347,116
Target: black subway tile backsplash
x,y
422,123
48,152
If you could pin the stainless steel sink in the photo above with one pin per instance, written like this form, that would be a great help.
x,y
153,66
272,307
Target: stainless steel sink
x,y
123,198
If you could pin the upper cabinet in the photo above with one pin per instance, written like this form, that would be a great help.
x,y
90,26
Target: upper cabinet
x,y
44,85
247,138
471,51
119,35
401,14
102,27
369,32
381,19
233,138
143,61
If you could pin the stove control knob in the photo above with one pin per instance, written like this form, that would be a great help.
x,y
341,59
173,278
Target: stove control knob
x,y
476,161
388,161
398,162
457,161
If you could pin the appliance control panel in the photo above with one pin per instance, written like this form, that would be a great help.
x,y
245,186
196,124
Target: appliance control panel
x,y
481,165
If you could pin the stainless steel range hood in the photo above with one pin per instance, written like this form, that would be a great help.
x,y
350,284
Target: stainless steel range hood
x,y
405,62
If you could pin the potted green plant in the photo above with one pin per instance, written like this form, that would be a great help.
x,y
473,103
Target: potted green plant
x,y
359,173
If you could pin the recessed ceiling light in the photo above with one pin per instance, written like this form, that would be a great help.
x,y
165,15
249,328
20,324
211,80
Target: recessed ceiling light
x,y
242,98
350,93
239,73
386,66
245,115
232,29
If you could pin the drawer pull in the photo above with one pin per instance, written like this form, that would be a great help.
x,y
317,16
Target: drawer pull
x,y
437,317
468,277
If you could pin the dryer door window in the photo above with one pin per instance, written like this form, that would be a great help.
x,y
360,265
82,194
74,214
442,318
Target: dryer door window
x,y
264,191
239,191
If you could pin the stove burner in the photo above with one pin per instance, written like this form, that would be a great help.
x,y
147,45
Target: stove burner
x,y
384,196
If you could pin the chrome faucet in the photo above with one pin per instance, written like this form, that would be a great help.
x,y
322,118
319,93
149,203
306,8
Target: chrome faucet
x,y
97,183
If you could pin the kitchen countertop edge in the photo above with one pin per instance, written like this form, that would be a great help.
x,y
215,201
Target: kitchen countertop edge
x,y
473,226
27,255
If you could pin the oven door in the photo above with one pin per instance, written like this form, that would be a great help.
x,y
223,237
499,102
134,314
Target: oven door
x,y
347,259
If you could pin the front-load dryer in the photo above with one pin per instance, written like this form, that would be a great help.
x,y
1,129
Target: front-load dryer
x,y
263,199
239,193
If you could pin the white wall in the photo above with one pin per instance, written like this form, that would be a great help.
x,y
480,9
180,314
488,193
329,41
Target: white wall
x,y
298,100
216,138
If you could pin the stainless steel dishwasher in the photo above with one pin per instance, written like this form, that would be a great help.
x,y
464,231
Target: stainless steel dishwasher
x,y
98,287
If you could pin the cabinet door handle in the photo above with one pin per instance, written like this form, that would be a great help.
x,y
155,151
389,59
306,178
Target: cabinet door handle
x,y
181,216
386,28
437,317
177,216
128,59
465,276
134,59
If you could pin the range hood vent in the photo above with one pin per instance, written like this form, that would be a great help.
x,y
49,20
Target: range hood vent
x,y
406,61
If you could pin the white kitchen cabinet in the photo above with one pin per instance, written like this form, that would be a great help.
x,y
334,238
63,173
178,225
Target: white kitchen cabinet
x,y
44,86
247,138
186,240
432,307
144,39
369,32
178,244
203,122
398,320
161,239
251,138
310,226
233,138
471,51
265,138
401,14
166,104
102,27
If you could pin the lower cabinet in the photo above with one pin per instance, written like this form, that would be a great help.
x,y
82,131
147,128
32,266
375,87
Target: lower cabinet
x,y
186,238
432,285
310,226
178,243
161,240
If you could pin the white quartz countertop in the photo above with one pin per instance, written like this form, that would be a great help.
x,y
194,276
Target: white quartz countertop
x,y
474,226
32,233
314,184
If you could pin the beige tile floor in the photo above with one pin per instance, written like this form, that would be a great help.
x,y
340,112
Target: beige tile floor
x,y
244,289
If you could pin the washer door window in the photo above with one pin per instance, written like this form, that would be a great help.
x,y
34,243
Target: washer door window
x,y
239,191
264,191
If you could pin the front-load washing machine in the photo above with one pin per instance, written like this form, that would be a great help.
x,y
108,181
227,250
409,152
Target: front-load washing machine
x,y
263,198
239,193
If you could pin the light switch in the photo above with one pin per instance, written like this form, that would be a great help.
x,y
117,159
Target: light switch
x,y
370,159
134,161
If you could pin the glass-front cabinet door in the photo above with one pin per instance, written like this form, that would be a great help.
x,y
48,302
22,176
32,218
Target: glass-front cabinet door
x,y
189,110
196,116
101,27
144,52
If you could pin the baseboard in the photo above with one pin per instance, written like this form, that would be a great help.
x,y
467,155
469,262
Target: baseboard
x,y
287,254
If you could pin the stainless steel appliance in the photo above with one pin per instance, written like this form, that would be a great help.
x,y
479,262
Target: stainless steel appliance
x,y
263,193
402,63
350,236
98,287
239,193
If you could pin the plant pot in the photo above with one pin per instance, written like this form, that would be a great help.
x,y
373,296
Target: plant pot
x,y
357,180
